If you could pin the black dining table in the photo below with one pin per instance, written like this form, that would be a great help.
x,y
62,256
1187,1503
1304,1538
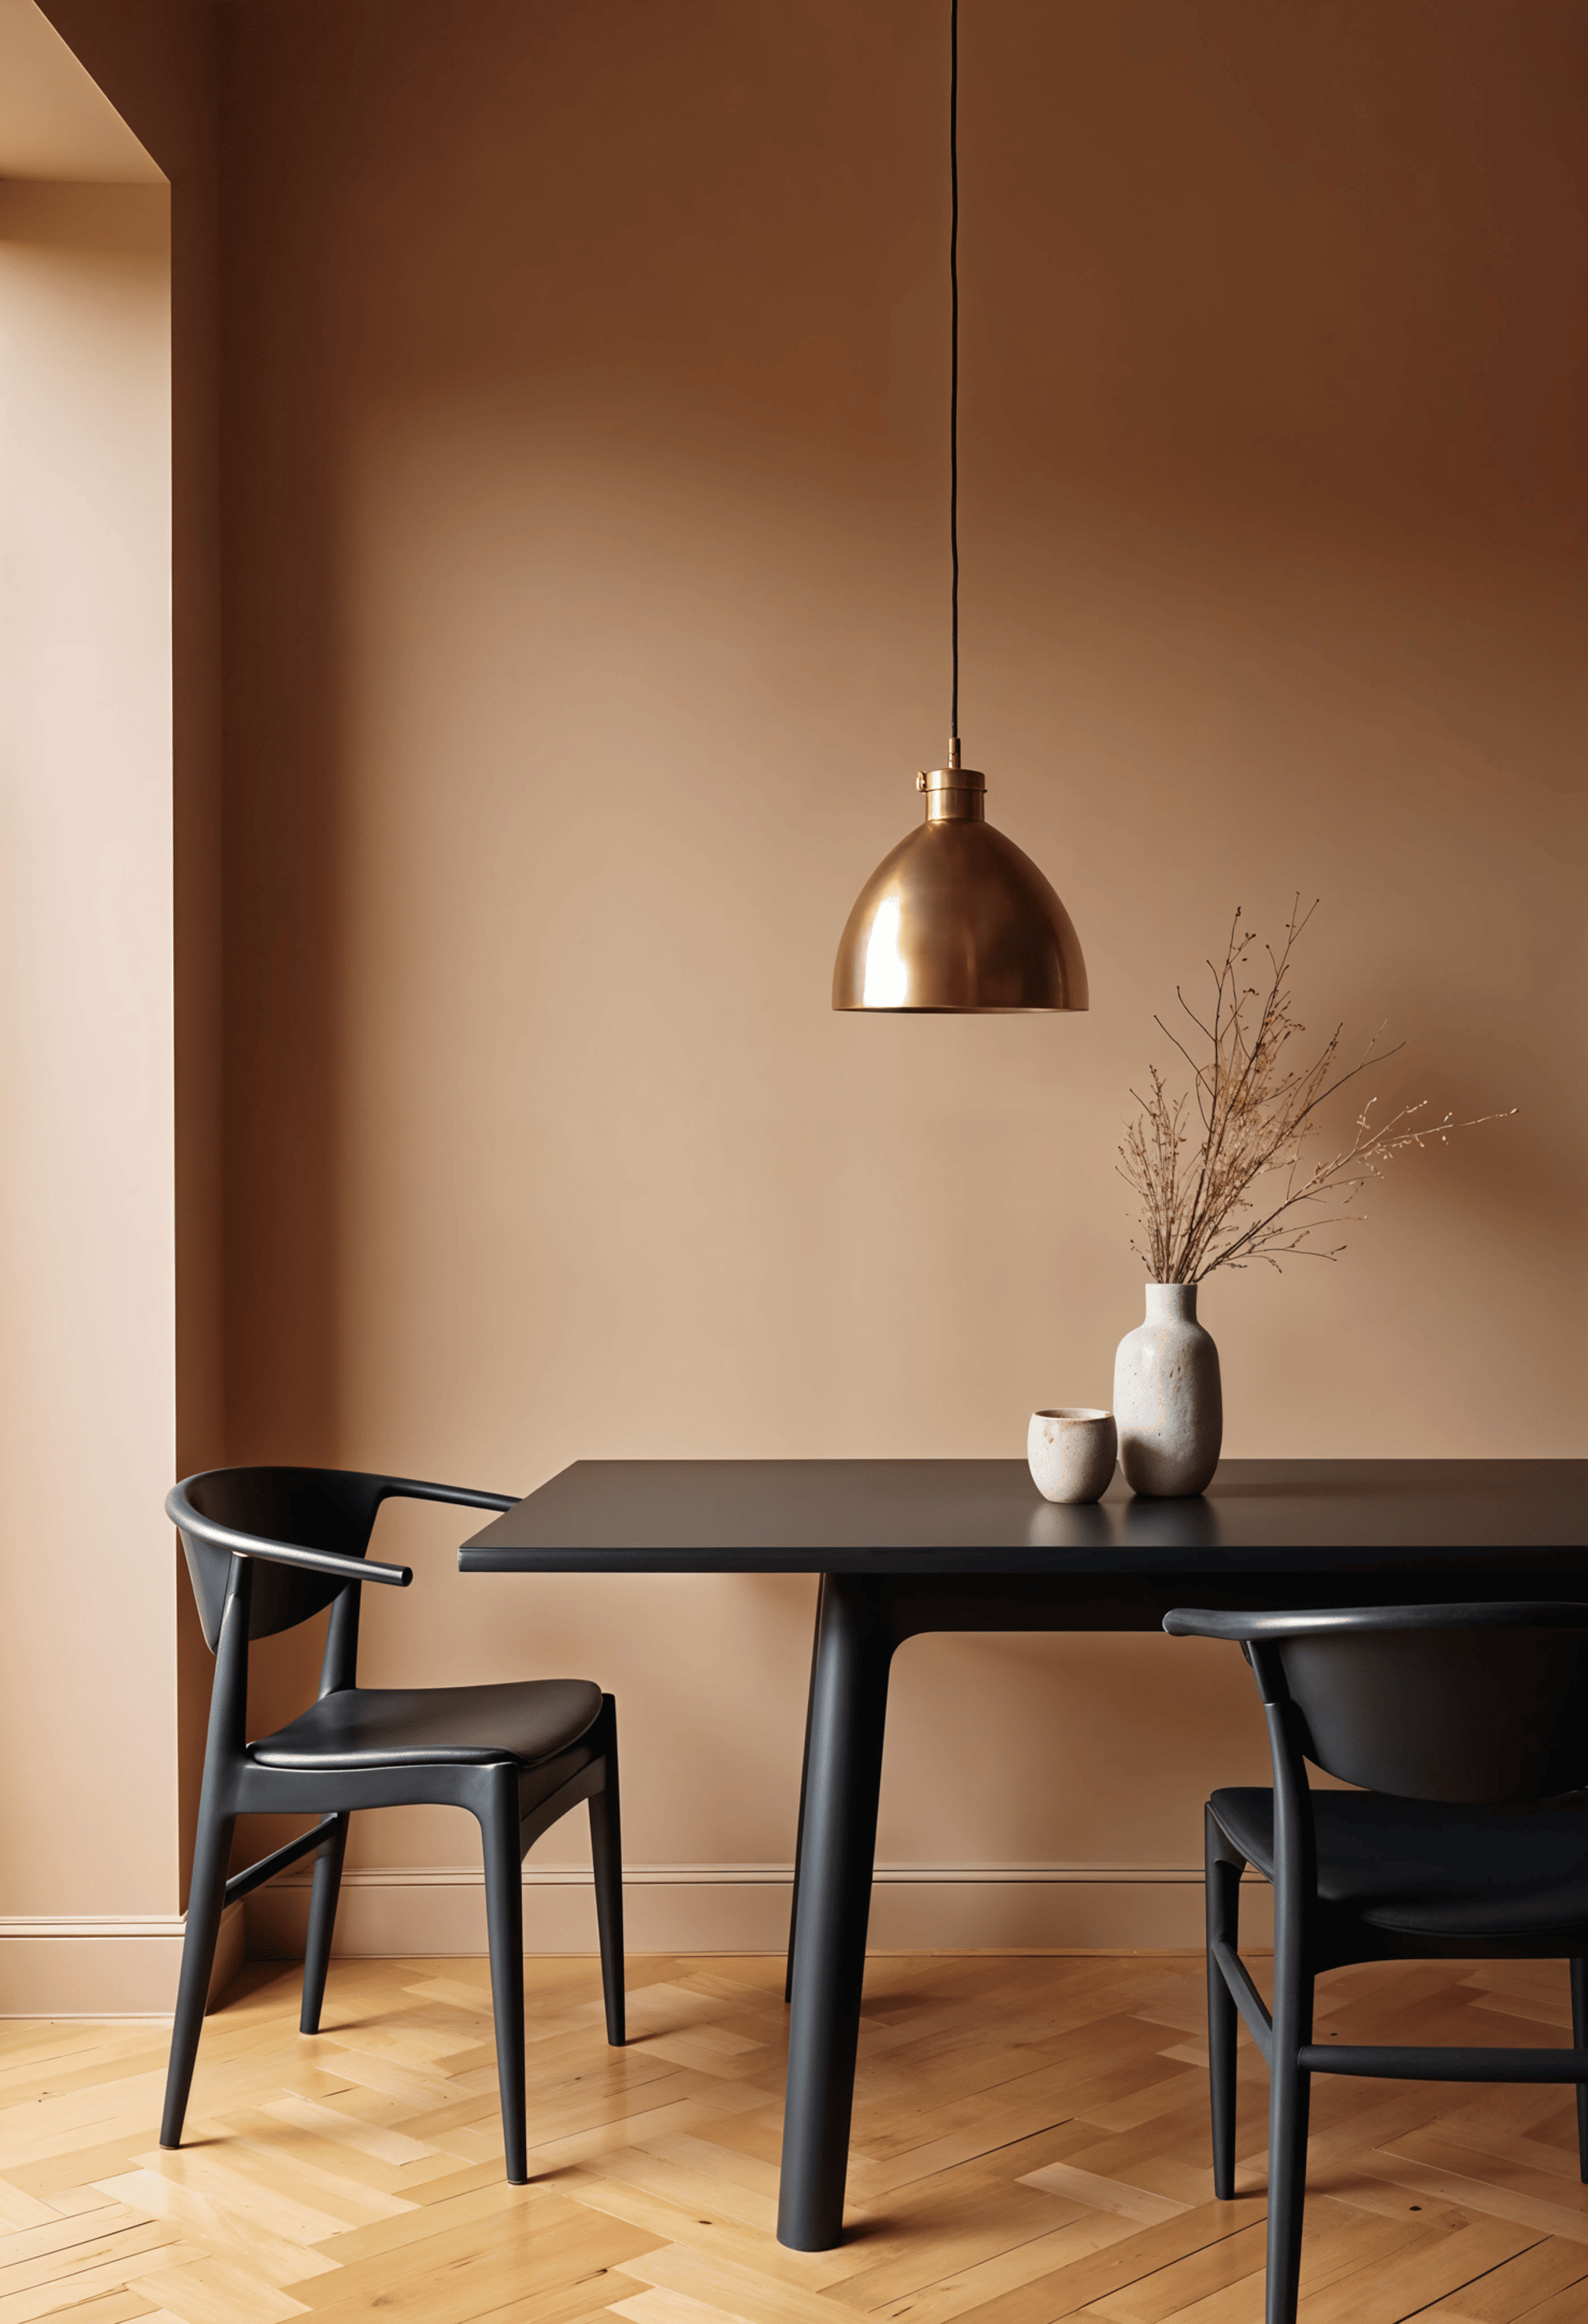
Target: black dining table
x,y
907,1546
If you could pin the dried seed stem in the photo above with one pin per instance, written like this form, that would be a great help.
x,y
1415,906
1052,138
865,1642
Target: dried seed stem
x,y
1243,1191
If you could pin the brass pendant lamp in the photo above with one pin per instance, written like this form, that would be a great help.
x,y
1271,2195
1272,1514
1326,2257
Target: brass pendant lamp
x,y
957,917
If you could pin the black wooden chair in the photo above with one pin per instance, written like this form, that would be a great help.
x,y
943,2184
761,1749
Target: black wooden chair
x,y
1467,1726
268,1548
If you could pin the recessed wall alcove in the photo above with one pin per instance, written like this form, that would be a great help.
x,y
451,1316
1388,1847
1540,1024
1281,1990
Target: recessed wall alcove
x,y
91,1646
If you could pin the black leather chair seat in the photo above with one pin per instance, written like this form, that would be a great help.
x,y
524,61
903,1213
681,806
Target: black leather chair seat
x,y
1417,1867
385,1727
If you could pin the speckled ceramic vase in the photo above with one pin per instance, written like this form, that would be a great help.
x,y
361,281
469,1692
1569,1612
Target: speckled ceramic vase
x,y
1167,1400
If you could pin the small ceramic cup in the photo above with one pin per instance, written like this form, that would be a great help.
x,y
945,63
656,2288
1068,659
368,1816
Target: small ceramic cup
x,y
1071,1452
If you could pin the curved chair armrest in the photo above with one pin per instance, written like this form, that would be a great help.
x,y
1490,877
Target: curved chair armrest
x,y
1248,1629
320,1561
414,1489
188,1519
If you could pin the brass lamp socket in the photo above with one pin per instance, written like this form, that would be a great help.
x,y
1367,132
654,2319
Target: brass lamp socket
x,y
953,794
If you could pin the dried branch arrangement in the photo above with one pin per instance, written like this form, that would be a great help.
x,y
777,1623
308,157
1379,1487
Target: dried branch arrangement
x,y
1242,1191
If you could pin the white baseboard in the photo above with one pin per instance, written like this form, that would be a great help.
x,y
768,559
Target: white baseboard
x,y
726,1908
102,1964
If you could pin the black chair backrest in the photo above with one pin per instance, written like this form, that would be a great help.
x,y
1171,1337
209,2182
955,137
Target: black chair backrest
x,y
1480,1704
305,1509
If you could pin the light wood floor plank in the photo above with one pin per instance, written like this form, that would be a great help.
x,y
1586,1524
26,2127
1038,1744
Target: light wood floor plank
x,y
272,2258
666,2223
1031,2144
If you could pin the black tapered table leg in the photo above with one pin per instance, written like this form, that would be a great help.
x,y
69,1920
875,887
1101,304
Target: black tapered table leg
x,y
848,1712
793,1901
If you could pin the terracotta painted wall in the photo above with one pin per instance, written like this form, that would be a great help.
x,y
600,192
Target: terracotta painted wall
x,y
585,379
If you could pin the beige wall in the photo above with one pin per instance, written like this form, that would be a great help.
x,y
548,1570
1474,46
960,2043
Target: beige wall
x,y
109,1327
583,388
585,376
159,64
88,1399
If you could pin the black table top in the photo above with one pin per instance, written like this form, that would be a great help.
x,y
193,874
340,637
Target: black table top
x,y
985,1517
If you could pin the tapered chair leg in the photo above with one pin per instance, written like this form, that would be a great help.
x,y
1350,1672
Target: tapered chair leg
x,y
1224,1869
504,1919
606,1849
206,1898
322,1921
1289,2104
1580,2042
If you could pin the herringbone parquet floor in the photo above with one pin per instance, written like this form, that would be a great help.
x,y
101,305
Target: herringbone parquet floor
x,y
1029,2143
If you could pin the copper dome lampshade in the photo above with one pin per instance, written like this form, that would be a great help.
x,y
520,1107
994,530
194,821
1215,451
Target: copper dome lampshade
x,y
958,919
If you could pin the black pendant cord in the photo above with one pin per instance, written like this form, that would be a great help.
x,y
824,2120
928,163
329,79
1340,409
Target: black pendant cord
x,y
954,371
